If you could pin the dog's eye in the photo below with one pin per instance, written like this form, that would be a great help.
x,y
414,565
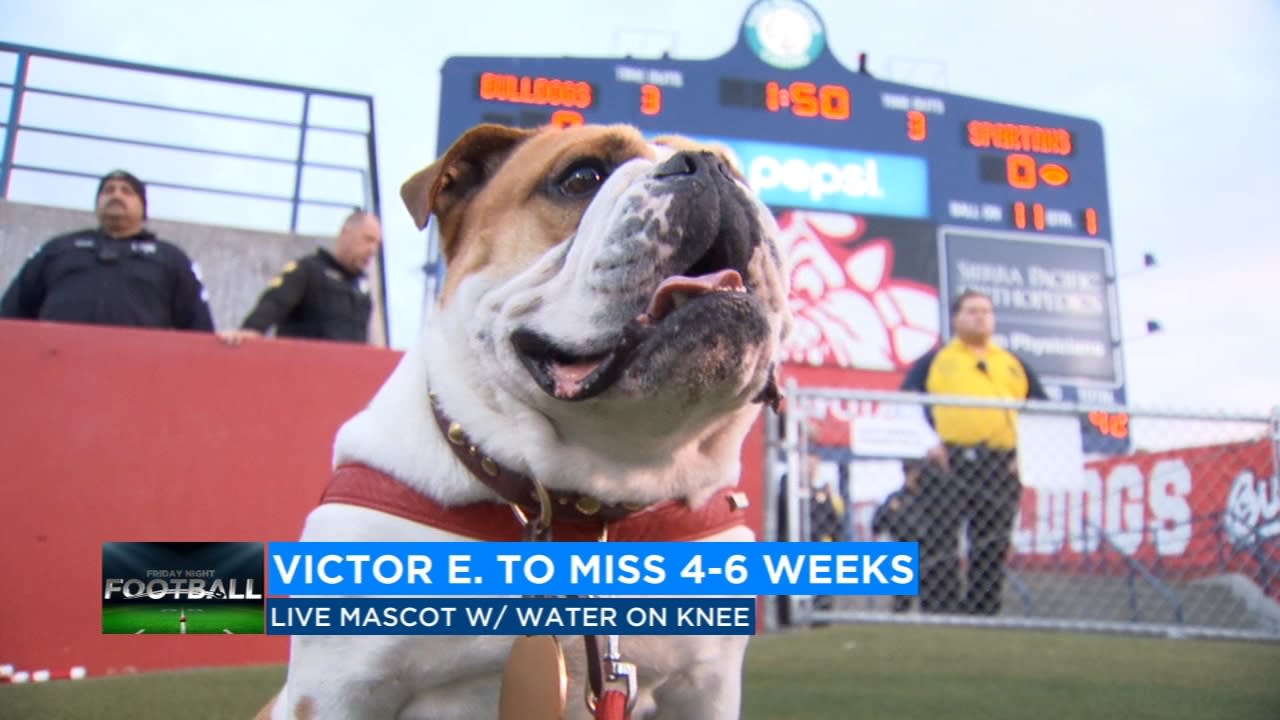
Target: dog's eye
x,y
582,179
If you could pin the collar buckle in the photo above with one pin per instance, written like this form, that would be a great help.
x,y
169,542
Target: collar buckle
x,y
539,528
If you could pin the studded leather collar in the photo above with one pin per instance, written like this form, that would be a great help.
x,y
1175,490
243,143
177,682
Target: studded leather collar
x,y
522,491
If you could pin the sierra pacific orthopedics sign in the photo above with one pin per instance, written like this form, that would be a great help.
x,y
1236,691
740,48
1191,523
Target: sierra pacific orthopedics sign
x,y
1053,299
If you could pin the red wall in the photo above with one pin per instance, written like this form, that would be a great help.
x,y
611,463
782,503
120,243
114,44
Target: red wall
x,y
111,434
114,434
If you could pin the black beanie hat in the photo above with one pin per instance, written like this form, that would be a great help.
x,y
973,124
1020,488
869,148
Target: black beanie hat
x,y
135,183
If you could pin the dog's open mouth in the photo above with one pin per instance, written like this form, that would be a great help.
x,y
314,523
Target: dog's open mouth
x,y
566,376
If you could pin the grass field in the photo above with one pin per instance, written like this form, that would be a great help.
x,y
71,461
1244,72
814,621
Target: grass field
x,y
164,619
899,673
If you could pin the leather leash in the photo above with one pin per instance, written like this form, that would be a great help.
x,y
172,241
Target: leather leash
x,y
612,685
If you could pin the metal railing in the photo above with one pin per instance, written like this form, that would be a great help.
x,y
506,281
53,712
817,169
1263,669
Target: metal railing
x,y
1180,537
263,106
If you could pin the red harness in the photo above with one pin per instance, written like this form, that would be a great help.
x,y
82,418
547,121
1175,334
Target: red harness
x,y
671,520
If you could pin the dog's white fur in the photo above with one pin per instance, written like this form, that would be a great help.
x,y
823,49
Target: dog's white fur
x,y
642,443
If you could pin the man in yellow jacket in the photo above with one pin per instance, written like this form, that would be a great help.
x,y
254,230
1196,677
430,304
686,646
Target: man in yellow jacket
x,y
972,473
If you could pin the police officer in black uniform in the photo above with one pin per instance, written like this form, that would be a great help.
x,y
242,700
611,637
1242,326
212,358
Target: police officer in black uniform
x,y
323,295
117,274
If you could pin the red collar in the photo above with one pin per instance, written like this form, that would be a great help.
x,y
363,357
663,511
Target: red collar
x,y
493,521
521,490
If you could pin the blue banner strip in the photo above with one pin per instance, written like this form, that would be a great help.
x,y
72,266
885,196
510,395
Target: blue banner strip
x,y
832,179
651,568
511,616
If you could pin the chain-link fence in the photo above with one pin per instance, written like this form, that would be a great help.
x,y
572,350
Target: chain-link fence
x,y
1179,533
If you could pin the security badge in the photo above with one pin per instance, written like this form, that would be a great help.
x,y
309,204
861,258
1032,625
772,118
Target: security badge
x,y
362,285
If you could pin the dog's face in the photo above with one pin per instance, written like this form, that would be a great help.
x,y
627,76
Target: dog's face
x,y
614,284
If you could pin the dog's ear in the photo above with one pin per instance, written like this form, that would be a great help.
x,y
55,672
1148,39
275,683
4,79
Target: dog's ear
x,y
438,188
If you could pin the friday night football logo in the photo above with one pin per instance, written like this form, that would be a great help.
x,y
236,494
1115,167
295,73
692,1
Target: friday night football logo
x,y
183,588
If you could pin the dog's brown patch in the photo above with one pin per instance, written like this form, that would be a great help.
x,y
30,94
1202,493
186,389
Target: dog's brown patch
x,y
507,218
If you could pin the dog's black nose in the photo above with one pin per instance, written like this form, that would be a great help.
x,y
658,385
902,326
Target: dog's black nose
x,y
684,163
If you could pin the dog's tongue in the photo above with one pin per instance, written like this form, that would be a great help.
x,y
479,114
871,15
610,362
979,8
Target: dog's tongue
x,y
664,298
569,376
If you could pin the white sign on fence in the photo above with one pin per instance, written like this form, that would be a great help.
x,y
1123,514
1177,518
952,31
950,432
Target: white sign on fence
x,y
894,431
1050,451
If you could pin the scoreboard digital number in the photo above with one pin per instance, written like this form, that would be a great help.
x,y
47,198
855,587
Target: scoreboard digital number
x,y
966,193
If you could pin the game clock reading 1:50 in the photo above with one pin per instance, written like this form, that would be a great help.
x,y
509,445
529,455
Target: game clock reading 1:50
x,y
806,100
799,98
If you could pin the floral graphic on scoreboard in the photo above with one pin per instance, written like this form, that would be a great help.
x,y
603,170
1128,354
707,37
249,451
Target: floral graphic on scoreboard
x,y
850,309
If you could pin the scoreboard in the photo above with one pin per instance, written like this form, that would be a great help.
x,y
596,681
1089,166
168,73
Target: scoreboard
x,y
892,199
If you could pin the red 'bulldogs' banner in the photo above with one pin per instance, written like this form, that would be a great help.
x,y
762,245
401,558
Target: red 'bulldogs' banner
x,y
1194,512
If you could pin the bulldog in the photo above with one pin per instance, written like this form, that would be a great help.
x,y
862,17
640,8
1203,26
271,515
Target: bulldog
x,y
603,341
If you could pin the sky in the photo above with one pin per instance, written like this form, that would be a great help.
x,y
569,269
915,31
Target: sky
x,y
1188,95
